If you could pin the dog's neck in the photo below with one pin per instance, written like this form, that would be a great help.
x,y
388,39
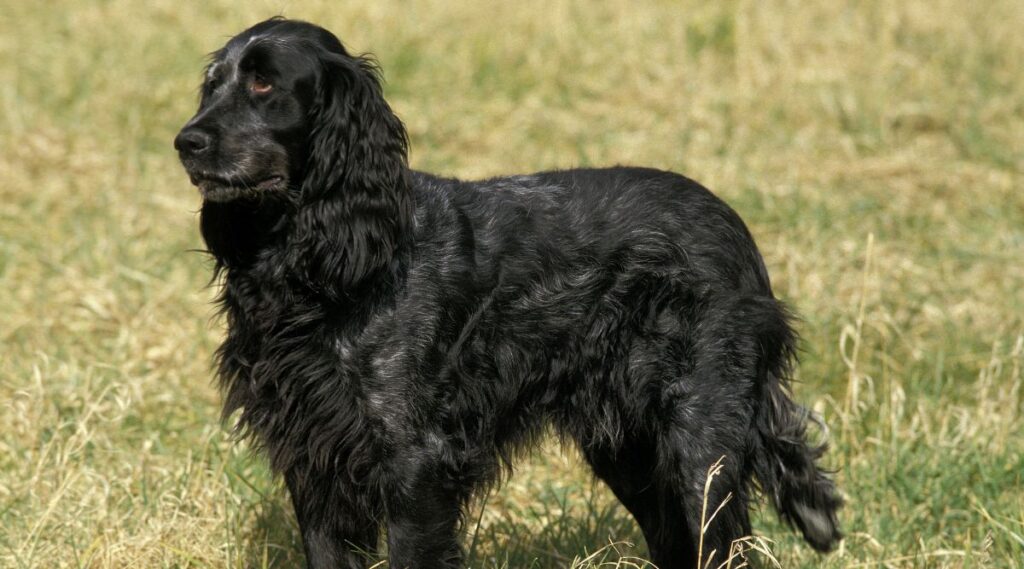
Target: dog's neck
x,y
322,250
236,232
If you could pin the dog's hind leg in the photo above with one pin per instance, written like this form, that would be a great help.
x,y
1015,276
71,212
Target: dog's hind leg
x,y
690,395
630,473
707,407
716,505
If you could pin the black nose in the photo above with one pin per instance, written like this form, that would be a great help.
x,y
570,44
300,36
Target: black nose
x,y
192,142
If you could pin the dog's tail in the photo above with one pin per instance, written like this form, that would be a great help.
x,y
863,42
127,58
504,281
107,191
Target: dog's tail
x,y
782,458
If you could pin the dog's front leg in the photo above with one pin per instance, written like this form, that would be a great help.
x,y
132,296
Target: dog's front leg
x,y
423,518
337,530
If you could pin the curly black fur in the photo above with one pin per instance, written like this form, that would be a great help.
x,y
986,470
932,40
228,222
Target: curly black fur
x,y
396,338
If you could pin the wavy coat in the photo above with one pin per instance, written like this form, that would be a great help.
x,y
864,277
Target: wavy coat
x,y
395,339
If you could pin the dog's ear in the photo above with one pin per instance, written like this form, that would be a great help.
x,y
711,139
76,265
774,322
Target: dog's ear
x,y
355,201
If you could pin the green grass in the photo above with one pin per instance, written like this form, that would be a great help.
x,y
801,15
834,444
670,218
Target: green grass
x,y
875,148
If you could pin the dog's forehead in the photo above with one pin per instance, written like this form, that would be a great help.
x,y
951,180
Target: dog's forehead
x,y
232,54
224,63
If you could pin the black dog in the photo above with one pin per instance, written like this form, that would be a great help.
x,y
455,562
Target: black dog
x,y
395,338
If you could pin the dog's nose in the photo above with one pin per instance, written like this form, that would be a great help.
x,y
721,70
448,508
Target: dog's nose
x,y
192,142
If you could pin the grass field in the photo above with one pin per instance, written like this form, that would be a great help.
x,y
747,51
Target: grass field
x,y
875,148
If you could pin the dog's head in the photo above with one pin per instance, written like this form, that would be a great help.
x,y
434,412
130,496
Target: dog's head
x,y
283,101
287,113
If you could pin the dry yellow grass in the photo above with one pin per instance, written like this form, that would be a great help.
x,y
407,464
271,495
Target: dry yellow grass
x,y
875,148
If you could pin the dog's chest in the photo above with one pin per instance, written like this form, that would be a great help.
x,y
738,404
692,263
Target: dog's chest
x,y
300,381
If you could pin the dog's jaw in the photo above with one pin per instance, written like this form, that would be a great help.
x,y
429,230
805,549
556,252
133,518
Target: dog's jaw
x,y
221,190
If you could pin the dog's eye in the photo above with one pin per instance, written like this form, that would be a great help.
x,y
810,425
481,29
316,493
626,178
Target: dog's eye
x,y
260,85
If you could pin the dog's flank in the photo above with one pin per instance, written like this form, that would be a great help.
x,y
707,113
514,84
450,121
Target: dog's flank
x,y
396,338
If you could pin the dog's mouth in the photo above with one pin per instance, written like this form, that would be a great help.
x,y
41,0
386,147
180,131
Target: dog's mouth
x,y
216,188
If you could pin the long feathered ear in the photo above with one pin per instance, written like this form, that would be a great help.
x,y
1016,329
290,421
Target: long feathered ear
x,y
355,206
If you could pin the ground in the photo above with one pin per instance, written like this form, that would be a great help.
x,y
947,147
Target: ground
x,y
875,148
